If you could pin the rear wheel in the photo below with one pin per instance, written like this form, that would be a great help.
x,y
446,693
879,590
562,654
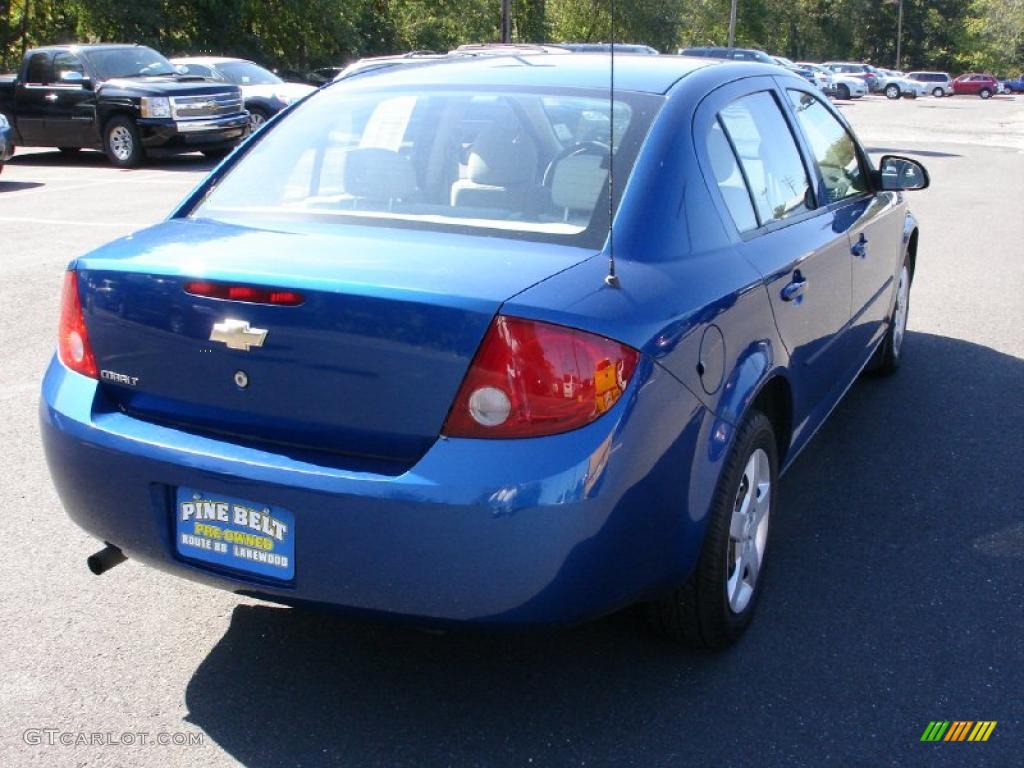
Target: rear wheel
x,y
985,93
892,91
938,93
715,605
121,142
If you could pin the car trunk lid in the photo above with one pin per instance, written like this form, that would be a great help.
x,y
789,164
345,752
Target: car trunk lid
x,y
367,364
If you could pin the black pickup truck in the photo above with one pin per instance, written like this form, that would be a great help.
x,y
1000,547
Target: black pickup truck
x,y
127,100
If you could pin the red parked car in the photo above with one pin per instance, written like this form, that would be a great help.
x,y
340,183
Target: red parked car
x,y
975,84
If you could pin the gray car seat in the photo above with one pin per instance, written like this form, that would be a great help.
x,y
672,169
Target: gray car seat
x,y
502,168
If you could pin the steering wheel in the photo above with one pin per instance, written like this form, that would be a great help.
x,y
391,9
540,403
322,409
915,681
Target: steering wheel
x,y
579,148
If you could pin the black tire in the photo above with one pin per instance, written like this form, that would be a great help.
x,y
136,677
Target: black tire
x,y
257,117
938,93
889,355
843,91
698,613
892,91
985,93
217,154
121,142
69,150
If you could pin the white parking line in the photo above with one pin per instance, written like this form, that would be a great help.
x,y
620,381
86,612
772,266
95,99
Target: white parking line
x,y
150,178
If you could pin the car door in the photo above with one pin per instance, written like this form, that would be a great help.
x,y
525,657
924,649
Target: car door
x,y
872,219
34,98
71,120
765,190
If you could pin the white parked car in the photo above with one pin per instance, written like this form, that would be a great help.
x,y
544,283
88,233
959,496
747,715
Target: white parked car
x,y
838,85
265,94
895,84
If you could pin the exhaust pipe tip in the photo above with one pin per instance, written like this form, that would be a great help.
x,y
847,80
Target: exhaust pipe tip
x,y
105,559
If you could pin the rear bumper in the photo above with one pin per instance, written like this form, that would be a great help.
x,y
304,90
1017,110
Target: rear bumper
x,y
190,135
548,530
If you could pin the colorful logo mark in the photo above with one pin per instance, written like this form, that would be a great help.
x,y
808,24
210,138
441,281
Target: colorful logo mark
x,y
959,730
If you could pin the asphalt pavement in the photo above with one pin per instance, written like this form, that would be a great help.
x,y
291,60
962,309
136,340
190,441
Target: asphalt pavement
x,y
895,570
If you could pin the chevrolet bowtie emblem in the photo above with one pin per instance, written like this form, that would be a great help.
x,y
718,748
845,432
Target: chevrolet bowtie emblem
x,y
238,335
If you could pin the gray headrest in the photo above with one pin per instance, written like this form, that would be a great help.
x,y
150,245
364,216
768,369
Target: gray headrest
x,y
501,156
378,174
577,182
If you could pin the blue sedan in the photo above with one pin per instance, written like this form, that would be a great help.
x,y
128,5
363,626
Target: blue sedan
x,y
392,357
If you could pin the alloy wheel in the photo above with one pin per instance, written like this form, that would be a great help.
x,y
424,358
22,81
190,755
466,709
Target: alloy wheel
x,y
899,317
748,531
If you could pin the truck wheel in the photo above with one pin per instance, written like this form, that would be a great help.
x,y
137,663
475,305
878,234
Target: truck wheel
x,y
121,142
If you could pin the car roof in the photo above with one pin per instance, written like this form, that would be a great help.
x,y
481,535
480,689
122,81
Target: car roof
x,y
633,72
88,46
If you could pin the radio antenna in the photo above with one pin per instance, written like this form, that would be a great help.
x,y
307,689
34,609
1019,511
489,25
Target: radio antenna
x,y
611,279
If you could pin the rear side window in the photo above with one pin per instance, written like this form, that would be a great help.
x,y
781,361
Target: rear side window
x,y
769,157
834,150
39,70
730,180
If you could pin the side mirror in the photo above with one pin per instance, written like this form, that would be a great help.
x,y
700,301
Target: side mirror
x,y
73,77
896,174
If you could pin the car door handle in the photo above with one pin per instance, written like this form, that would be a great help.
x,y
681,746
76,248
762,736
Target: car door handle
x,y
860,248
50,97
795,289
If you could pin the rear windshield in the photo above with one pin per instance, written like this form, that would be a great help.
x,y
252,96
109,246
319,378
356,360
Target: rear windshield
x,y
519,163
247,73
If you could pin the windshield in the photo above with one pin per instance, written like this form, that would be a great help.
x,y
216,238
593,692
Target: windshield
x,y
530,164
136,61
247,73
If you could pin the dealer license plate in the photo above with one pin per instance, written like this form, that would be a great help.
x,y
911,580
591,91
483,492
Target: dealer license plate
x,y
235,533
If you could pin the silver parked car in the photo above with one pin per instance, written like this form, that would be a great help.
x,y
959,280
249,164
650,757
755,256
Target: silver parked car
x,y
938,83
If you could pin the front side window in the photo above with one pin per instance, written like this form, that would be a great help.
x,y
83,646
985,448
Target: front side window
x,y
65,62
521,164
834,150
768,153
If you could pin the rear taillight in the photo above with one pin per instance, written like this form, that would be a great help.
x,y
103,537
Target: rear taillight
x,y
530,379
73,346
